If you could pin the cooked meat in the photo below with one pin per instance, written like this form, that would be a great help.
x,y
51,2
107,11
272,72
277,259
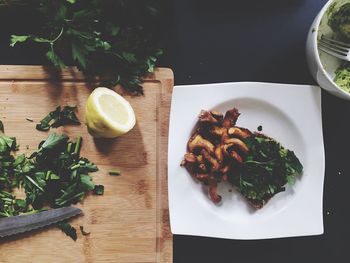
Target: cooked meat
x,y
198,142
207,116
230,118
241,133
237,143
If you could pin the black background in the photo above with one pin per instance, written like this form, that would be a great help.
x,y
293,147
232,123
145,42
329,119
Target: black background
x,y
223,40
256,40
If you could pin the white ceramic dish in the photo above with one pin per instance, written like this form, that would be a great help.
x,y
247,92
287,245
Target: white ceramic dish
x,y
321,64
289,113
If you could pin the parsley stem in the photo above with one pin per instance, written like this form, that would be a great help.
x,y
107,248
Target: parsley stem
x,y
48,175
69,147
58,36
259,163
34,183
114,171
70,199
5,214
31,212
77,146
3,193
76,166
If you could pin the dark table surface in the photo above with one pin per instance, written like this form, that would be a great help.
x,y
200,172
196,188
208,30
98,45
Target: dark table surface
x,y
225,40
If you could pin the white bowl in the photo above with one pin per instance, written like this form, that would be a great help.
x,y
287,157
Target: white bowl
x,y
321,64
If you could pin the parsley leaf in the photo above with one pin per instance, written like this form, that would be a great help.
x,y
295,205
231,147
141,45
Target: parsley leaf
x,y
99,190
18,39
53,141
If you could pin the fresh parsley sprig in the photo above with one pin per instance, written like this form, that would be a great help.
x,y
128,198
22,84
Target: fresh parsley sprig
x,y
112,39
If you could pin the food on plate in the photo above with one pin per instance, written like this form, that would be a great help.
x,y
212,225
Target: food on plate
x,y
339,21
108,114
258,166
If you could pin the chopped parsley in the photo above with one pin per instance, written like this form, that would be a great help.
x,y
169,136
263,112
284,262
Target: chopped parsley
x,y
58,118
53,176
114,171
68,230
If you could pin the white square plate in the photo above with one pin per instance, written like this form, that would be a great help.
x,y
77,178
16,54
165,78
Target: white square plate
x,y
291,114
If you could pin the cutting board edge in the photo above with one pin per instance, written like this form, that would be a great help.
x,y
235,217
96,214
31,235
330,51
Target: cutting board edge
x,y
39,72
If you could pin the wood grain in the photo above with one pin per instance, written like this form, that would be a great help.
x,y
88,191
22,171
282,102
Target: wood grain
x,y
130,222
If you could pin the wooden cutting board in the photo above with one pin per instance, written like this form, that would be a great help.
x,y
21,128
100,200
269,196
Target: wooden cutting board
x,y
130,222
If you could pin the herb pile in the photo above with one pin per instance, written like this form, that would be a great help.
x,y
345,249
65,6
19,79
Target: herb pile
x,y
53,176
115,38
267,169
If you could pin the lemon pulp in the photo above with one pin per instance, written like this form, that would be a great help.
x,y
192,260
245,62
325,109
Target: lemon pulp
x,y
113,109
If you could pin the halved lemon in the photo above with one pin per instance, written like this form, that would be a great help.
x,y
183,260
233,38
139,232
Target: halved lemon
x,y
107,114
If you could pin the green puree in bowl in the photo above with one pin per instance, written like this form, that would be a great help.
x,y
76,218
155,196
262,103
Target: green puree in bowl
x,y
342,77
339,21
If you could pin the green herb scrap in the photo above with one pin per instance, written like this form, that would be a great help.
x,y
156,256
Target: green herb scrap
x,y
1,127
114,171
83,232
266,171
10,206
7,146
114,38
68,230
99,189
58,118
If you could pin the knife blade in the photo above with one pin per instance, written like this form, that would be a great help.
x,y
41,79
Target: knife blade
x,y
19,224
